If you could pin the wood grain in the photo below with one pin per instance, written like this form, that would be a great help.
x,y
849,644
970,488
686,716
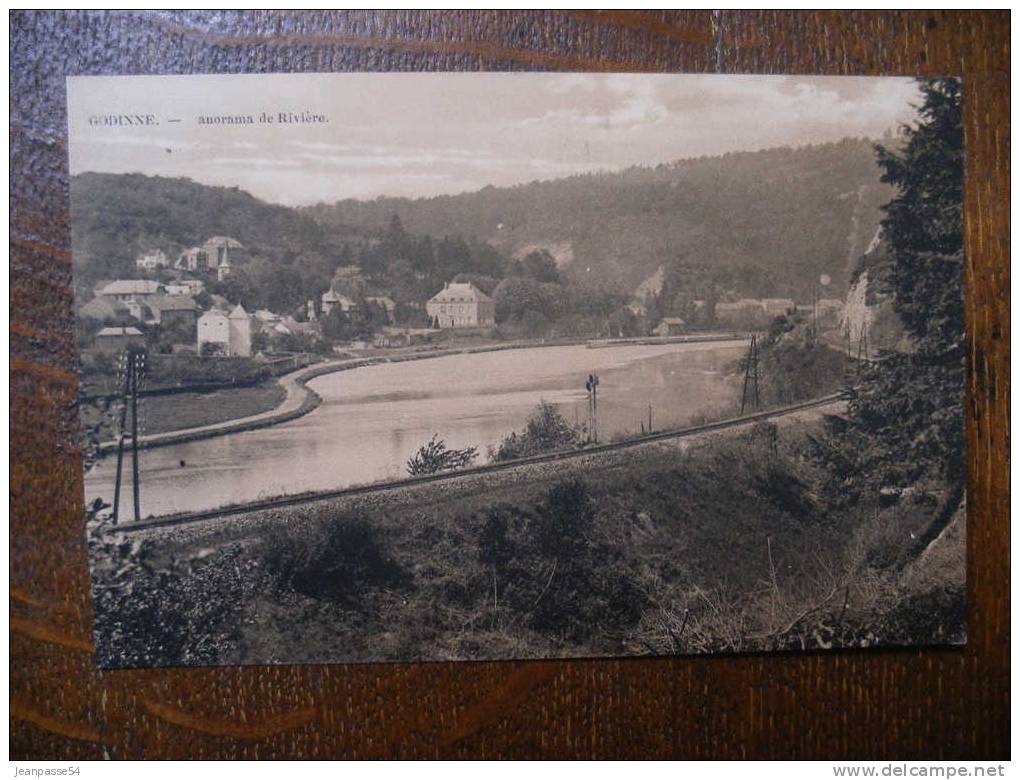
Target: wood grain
x,y
938,703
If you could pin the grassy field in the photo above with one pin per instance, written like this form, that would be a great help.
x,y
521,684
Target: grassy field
x,y
179,411
726,546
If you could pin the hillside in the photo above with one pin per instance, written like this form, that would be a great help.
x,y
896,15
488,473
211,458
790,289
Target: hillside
x,y
115,217
772,221
759,223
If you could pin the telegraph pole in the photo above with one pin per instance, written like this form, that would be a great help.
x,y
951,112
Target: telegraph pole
x,y
134,366
862,345
593,406
751,375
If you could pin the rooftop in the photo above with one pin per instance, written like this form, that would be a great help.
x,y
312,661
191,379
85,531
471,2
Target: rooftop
x,y
172,302
117,331
460,292
131,287
227,241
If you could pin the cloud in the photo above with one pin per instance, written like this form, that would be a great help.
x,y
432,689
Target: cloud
x,y
428,134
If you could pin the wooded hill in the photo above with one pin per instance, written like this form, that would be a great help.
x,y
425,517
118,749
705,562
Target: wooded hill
x,y
766,223
116,217
771,221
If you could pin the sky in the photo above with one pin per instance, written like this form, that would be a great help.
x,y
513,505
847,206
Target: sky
x,y
426,134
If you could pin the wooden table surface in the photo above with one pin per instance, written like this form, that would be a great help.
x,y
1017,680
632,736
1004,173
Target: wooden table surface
x,y
936,703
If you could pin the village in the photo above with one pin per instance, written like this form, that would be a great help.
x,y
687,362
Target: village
x,y
168,308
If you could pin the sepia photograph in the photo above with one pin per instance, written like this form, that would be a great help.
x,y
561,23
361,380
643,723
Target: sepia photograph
x,y
473,366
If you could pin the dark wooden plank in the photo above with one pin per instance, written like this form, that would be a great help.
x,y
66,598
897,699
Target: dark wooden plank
x,y
912,703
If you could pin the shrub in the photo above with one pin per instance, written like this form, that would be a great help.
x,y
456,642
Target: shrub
x,y
546,431
211,349
435,456
336,560
555,572
181,612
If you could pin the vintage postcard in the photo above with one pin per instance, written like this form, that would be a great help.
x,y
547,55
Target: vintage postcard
x,y
443,366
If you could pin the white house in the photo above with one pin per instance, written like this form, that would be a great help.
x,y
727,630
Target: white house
x,y
240,332
231,332
151,260
188,287
214,328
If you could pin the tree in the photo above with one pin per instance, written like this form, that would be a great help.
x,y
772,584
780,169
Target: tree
x,y
350,281
435,456
546,431
515,296
541,266
906,411
623,323
924,222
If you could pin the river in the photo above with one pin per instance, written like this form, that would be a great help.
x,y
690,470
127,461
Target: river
x,y
372,419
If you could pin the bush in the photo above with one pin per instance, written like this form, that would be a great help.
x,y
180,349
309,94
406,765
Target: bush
x,y
183,612
434,457
211,349
546,431
337,560
556,572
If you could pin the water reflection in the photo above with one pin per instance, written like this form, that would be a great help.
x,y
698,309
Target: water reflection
x,y
372,419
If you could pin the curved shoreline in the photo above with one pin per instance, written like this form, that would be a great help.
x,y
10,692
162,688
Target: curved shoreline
x,y
296,386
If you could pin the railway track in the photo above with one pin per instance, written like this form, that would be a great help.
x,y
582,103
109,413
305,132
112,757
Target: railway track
x,y
304,498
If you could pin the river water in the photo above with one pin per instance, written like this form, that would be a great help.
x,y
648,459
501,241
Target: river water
x,y
373,419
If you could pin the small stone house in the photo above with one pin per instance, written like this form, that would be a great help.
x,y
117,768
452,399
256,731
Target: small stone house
x,y
670,326
113,340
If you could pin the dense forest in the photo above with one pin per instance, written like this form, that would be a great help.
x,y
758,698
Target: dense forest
x,y
772,220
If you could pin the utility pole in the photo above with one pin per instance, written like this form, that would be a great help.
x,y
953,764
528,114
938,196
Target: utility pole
x,y
134,367
593,406
814,310
751,375
862,344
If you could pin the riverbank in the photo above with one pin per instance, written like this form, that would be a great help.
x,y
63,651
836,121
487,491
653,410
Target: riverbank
x,y
164,413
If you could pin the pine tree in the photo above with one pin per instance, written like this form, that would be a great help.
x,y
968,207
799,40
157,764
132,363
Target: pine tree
x,y
924,222
906,410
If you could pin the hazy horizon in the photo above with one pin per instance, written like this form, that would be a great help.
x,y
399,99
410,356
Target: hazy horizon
x,y
424,135
384,196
